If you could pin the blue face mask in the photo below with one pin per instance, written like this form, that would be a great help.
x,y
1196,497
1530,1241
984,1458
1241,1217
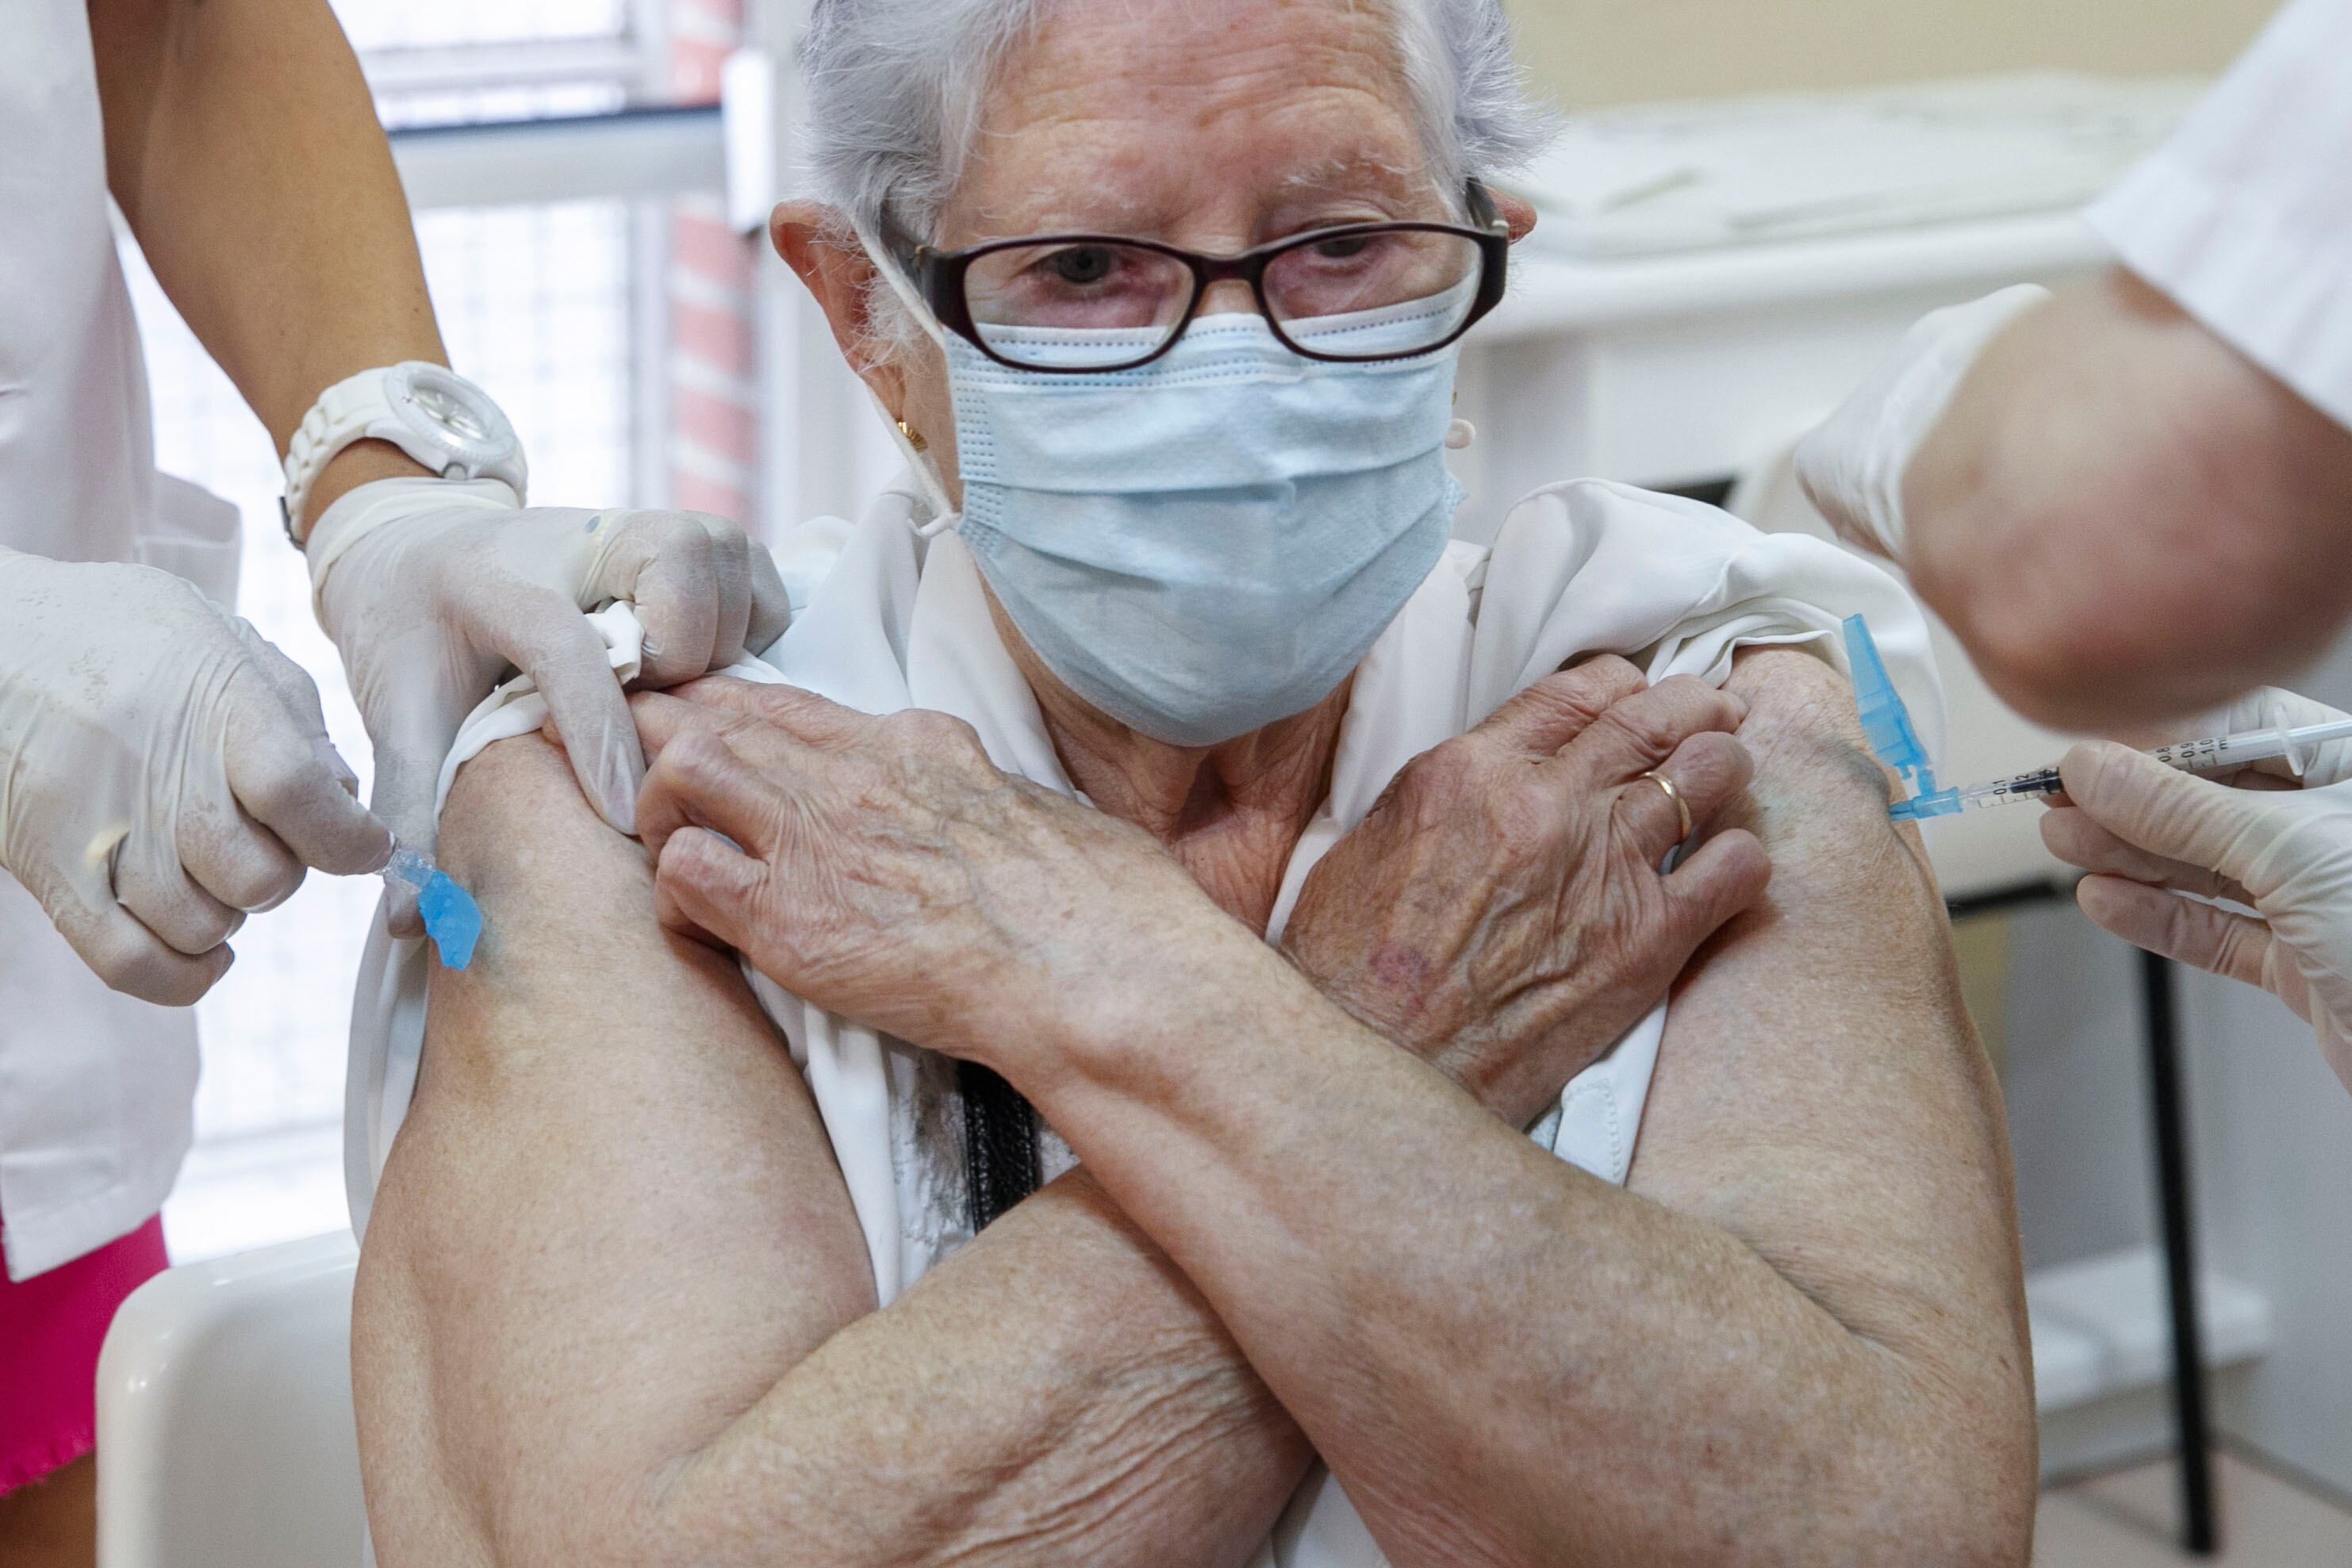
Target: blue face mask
x,y
1212,542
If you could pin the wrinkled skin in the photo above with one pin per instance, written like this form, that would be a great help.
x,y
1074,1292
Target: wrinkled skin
x,y
1500,912
894,875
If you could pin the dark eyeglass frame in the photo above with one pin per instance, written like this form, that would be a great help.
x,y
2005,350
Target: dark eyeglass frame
x,y
939,275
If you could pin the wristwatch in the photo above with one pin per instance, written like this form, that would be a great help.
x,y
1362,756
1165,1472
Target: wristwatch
x,y
431,413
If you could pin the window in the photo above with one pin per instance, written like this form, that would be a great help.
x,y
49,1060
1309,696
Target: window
x,y
616,330
378,28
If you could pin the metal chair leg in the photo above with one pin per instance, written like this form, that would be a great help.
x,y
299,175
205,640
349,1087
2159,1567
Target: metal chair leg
x,y
2198,1532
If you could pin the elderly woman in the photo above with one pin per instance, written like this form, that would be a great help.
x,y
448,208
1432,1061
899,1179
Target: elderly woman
x,y
1070,1218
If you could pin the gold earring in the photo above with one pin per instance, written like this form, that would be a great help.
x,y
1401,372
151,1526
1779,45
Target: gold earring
x,y
914,437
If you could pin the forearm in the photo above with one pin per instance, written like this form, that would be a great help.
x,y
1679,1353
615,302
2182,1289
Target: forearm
x,y
243,147
2126,520
1477,1336
1503,1358
1057,1391
614,1306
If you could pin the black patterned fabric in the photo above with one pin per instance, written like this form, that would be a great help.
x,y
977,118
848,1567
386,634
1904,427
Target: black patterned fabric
x,y
999,1143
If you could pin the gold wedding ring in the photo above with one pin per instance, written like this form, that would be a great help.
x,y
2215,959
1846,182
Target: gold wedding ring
x,y
1675,795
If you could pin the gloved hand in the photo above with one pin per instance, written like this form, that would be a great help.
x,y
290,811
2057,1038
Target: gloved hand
x,y
2150,834
437,590
1853,465
161,770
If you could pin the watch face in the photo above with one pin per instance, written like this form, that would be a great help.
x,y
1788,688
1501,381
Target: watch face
x,y
437,404
461,431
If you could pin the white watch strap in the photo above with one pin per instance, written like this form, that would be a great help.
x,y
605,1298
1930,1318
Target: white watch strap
x,y
360,408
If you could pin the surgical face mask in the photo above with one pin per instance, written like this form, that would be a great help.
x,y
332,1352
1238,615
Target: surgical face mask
x,y
1210,542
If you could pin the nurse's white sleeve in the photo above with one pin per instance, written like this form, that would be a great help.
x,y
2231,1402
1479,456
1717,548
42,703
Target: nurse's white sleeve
x,y
2245,217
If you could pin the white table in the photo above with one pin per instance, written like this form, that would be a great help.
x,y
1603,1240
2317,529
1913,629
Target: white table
x,y
1683,370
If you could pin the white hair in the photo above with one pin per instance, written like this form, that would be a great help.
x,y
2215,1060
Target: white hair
x,y
895,89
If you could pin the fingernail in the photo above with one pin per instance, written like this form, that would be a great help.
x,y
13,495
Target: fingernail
x,y
620,791
335,765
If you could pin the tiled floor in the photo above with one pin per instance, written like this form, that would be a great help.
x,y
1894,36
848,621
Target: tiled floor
x,y
2126,1520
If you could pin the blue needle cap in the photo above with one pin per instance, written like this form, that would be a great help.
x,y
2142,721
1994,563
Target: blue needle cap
x,y
451,917
1886,723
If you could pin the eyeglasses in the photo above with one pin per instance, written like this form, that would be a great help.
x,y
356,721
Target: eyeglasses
x,y
1087,304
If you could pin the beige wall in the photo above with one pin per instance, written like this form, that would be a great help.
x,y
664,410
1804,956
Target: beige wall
x,y
1590,53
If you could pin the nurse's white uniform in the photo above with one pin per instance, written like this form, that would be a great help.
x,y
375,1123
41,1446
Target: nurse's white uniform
x,y
886,618
96,1088
2244,218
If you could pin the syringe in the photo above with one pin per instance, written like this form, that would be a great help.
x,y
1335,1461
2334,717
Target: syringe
x,y
2215,754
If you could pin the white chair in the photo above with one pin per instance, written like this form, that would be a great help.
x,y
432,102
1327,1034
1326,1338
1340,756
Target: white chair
x,y
225,1429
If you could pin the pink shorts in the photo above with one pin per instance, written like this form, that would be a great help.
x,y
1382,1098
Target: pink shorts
x,y
51,1328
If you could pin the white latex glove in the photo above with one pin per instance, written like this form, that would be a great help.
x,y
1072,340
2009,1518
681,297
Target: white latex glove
x,y
162,770
2150,834
435,592
1853,465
